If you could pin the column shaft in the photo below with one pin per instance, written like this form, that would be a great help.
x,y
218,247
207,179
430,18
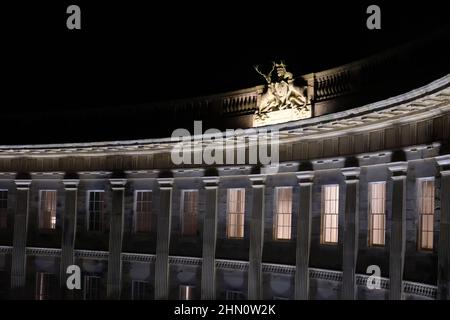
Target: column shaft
x,y
256,241
68,229
18,264
163,241
115,239
397,239
303,239
208,284
350,247
444,239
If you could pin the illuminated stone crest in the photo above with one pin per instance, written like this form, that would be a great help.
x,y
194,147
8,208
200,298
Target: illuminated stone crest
x,y
282,100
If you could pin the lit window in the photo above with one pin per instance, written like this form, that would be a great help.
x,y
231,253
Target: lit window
x,y
377,213
139,290
3,208
426,214
91,288
47,213
144,219
186,292
330,214
234,295
236,205
44,283
95,218
189,209
283,213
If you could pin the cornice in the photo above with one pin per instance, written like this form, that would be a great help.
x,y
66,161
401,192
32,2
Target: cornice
x,y
422,103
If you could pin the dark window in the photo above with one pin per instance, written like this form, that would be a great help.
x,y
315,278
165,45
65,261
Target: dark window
x,y
144,219
189,212
3,208
45,283
91,288
95,219
140,290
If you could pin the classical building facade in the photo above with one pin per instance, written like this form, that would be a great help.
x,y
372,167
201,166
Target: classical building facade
x,y
356,191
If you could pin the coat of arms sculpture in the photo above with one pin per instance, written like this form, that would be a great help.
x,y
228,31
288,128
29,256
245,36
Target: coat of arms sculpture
x,y
283,100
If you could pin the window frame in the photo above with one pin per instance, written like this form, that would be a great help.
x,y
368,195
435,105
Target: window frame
x,y
419,192
5,218
40,217
182,212
102,227
49,285
85,287
241,295
151,215
237,214
186,286
370,215
276,214
146,285
322,214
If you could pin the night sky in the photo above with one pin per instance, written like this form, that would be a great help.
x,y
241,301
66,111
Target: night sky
x,y
129,53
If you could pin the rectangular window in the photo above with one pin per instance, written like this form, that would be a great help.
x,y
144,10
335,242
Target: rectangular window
x,y
330,214
144,217
426,214
44,283
234,295
47,212
3,208
377,213
95,209
189,200
91,288
283,214
186,292
139,290
236,206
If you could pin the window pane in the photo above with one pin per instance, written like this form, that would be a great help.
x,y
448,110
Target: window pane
x,y
95,211
235,215
283,213
186,292
47,213
330,214
144,218
3,208
426,213
189,212
377,214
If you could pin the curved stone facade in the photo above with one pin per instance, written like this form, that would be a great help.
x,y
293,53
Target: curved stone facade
x,y
139,226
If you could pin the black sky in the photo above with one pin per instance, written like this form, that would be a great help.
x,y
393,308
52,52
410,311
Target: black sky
x,y
131,53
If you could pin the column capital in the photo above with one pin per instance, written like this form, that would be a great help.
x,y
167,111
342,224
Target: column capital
x,y
165,183
444,164
118,184
398,170
71,184
22,184
305,178
210,182
257,180
351,174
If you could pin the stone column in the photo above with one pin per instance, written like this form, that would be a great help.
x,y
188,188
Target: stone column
x,y
256,239
163,240
351,230
305,181
209,239
444,233
115,239
18,263
69,227
398,232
